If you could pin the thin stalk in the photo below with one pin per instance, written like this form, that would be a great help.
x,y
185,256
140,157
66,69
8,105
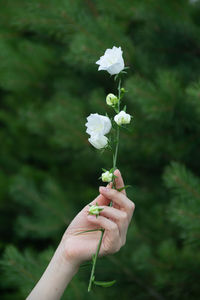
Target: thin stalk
x,y
114,186
94,262
117,135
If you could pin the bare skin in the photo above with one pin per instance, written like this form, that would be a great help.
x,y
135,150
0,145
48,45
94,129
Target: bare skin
x,y
76,248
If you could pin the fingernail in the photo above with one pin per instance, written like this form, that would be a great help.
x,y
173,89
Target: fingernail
x,y
103,189
117,171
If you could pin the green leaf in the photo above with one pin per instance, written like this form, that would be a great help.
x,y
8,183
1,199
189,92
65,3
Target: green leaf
x,y
124,108
104,170
124,188
105,283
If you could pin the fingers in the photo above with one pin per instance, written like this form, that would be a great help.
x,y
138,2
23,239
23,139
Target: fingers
x,y
119,216
118,198
119,181
105,223
113,213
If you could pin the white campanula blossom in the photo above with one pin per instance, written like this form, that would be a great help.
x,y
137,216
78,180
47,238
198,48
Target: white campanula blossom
x,y
107,176
98,124
98,141
111,99
122,118
112,61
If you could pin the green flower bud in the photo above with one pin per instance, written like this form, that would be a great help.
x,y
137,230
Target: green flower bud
x,y
111,99
94,210
107,176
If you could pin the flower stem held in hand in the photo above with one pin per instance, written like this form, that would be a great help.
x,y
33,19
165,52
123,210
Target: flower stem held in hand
x,y
92,277
98,126
94,262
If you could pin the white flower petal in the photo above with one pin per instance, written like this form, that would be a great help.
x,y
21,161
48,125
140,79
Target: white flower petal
x,y
98,124
98,141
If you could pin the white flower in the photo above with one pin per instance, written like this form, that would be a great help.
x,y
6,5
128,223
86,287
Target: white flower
x,y
111,99
112,61
99,141
98,124
95,210
106,176
122,118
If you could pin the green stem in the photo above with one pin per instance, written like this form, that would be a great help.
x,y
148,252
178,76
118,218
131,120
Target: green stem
x,y
114,186
117,136
94,262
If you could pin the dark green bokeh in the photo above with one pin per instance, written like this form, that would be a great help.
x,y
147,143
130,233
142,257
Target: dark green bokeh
x,y
49,84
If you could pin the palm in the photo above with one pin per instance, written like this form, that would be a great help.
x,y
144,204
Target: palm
x,y
84,245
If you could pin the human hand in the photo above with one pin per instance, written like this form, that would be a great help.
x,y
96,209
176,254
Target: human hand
x,y
78,247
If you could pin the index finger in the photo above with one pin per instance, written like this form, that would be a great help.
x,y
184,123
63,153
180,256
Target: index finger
x,y
119,181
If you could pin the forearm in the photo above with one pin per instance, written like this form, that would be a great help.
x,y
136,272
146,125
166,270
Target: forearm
x,y
55,278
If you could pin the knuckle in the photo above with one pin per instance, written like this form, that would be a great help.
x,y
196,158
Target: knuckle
x,y
132,206
124,216
112,192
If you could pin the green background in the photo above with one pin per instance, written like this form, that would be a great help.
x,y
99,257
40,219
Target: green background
x,y
49,84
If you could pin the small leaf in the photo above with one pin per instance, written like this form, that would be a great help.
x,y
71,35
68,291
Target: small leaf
x,y
107,115
105,283
104,170
124,188
124,109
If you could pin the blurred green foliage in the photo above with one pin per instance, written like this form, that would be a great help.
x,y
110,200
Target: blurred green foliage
x,y
48,85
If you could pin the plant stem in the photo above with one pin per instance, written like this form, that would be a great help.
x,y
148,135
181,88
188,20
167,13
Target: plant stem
x,y
94,262
117,135
114,186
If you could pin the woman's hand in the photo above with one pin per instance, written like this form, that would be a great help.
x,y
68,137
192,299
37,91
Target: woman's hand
x,y
78,247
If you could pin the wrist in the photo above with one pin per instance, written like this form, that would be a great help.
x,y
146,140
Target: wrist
x,y
61,257
56,277
69,257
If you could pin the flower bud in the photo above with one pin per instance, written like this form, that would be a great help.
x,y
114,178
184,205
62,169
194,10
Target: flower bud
x,y
94,210
107,176
122,118
111,99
